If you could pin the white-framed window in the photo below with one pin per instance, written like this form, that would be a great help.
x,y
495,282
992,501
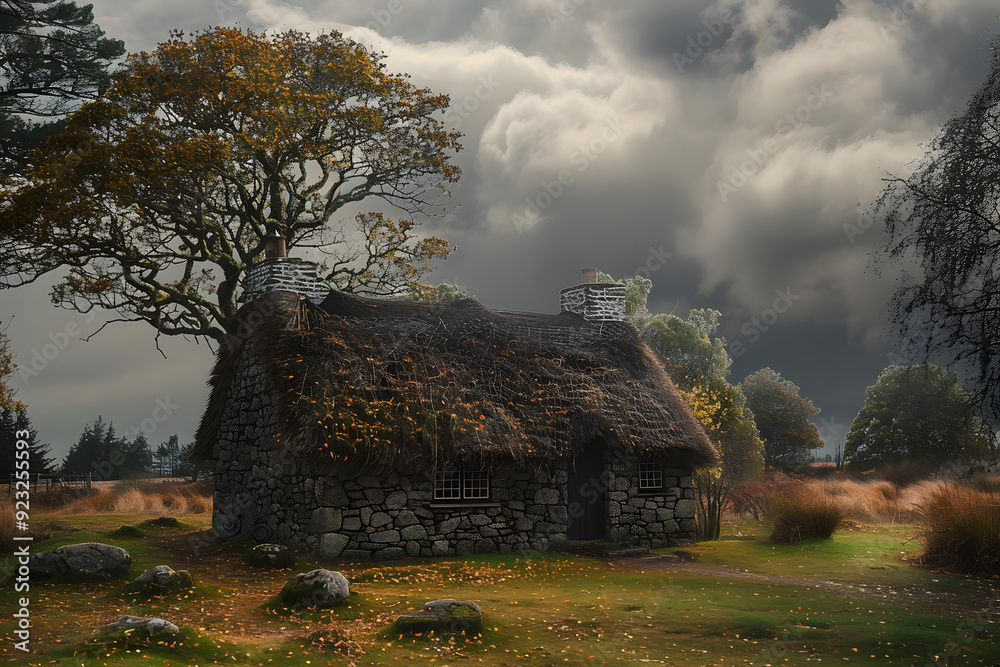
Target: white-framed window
x,y
650,476
461,481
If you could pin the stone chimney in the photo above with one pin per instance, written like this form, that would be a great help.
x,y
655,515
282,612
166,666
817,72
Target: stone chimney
x,y
278,272
597,302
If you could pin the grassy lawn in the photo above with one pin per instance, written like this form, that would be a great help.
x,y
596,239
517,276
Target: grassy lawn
x,y
738,601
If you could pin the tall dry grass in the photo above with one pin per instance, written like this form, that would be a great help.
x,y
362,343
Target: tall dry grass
x,y
872,501
797,513
960,530
146,497
6,526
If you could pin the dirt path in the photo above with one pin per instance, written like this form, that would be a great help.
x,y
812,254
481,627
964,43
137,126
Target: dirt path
x,y
982,596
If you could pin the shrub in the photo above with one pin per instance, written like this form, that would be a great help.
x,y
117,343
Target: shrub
x,y
799,512
960,530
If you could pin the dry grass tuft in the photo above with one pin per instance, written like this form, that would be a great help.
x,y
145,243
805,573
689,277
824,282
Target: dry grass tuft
x,y
873,501
798,512
960,530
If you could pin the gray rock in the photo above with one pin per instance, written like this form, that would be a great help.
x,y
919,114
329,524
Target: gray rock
x,y
138,629
159,575
90,558
318,588
380,519
440,548
442,616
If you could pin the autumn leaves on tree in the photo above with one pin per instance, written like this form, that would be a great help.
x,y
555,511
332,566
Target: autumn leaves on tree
x,y
160,194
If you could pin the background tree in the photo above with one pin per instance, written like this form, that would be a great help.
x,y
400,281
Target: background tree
x,y
916,413
782,418
12,421
167,457
945,218
161,193
93,447
442,293
100,450
52,55
7,368
698,364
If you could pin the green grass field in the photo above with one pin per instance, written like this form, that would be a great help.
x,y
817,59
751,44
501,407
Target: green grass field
x,y
738,601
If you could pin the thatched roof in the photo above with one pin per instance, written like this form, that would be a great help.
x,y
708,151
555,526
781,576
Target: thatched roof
x,y
364,381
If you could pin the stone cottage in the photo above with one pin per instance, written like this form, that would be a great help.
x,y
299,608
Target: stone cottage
x,y
371,429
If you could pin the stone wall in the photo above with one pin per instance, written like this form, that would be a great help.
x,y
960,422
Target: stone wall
x,y
595,301
262,495
649,519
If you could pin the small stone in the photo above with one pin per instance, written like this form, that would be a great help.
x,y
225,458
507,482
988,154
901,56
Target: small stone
x,y
440,548
137,629
318,588
454,616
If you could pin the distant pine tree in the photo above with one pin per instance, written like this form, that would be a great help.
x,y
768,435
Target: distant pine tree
x,y
13,421
91,450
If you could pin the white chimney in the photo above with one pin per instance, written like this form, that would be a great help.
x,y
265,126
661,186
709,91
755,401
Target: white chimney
x,y
597,302
278,272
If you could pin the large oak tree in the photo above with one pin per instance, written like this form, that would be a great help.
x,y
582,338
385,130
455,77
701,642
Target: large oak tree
x,y
160,194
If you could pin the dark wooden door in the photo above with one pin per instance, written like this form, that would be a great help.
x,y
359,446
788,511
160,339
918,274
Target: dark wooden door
x,y
587,494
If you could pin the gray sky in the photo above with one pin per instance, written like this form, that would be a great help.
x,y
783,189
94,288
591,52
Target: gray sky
x,y
720,148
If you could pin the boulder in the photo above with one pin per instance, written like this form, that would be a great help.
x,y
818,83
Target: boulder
x,y
162,579
442,616
270,556
318,588
88,558
137,629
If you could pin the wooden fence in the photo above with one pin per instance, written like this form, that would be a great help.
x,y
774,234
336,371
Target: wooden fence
x,y
40,482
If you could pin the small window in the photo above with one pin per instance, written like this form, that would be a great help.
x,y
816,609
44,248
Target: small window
x,y
650,476
457,481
